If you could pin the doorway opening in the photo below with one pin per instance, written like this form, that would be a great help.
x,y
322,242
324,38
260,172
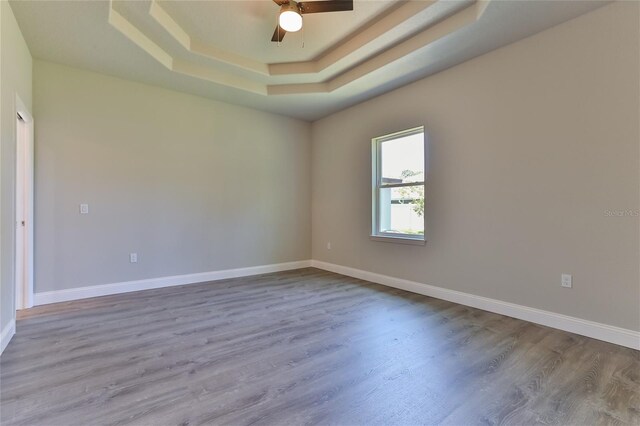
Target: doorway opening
x,y
24,208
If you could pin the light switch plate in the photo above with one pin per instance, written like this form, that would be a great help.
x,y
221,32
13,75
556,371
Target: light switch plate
x,y
566,281
84,208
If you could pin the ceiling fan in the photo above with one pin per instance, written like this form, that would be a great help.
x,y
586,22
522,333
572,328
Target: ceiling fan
x,y
290,18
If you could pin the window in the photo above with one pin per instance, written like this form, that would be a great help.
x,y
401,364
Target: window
x,y
398,169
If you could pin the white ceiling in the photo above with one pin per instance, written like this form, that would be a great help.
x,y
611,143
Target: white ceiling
x,y
222,49
207,20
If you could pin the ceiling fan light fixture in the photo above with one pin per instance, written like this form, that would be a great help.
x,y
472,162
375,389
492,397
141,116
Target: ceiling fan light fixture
x,y
290,18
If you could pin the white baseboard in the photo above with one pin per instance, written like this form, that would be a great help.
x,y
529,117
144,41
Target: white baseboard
x,y
608,333
7,333
56,296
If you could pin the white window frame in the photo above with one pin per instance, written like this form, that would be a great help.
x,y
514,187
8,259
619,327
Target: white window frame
x,y
377,185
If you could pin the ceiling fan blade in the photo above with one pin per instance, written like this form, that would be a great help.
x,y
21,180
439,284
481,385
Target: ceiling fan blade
x,y
325,6
280,2
278,34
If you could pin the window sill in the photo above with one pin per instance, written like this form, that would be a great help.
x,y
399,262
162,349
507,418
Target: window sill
x,y
399,240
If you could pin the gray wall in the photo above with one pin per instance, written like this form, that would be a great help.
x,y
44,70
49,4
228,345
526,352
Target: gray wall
x,y
15,79
531,145
190,184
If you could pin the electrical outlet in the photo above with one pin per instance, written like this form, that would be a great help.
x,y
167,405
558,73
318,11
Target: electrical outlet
x,y
329,245
84,208
133,257
566,281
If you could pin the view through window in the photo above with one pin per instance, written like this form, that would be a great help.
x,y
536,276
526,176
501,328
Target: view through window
x,y
398,184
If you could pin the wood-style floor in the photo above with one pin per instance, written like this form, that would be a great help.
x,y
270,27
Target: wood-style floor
x,y
304,347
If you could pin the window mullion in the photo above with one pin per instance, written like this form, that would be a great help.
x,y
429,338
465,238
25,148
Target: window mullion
x,y
400,185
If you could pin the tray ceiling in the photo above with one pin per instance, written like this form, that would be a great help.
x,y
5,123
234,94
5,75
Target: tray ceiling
x,y
222,49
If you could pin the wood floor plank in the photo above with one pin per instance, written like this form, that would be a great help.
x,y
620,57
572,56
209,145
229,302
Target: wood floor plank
x,y
304,347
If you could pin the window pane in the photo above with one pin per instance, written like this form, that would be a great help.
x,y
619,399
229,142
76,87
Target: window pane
x,y
402,210
402,159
